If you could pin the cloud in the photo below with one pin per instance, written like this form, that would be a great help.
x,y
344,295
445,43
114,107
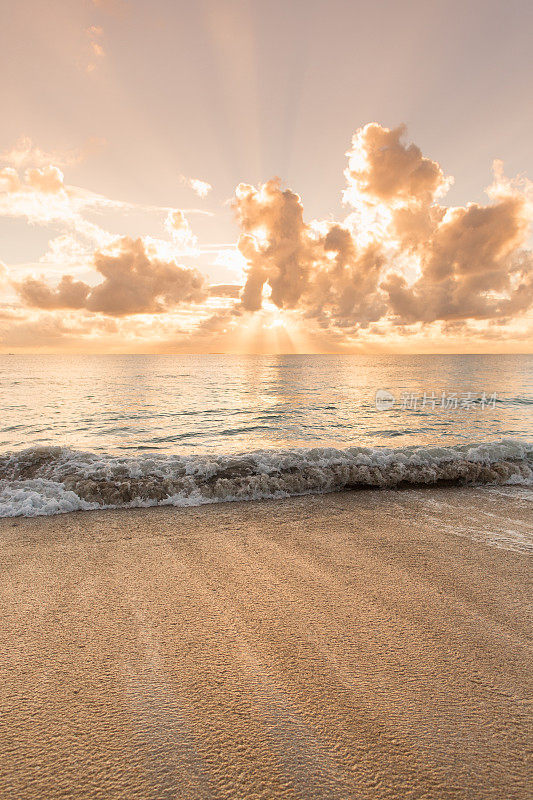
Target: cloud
x,y
40,333
381,168
226,290
399,257
201,188
47,180
42,198
24,154
66,250
314,267
96,50
471,261
56,331
177,225
275,242
9,180
68,294
392,188
41,180
400,266
135,282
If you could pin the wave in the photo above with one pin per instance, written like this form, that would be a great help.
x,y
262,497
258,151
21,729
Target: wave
x,y
55,480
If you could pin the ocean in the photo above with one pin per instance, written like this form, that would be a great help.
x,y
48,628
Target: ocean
x,y
86,432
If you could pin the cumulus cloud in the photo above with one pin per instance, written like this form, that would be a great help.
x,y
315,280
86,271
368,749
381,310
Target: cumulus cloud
x,y
382,168
472,264
68,294
177,225
135,282
400,256
201,188
9,180
399,264
275,243
47,180
313,266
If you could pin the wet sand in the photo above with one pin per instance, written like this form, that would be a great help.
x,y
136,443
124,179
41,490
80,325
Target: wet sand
x,y
355,645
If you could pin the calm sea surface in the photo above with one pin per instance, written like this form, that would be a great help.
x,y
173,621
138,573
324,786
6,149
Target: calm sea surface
x,y
229,404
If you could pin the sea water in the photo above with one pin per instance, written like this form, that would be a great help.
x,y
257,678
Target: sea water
x,y
81,432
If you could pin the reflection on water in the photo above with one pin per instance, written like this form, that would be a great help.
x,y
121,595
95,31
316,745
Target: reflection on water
x,y
235,403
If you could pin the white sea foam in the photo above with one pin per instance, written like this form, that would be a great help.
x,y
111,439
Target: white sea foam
x,y
55,480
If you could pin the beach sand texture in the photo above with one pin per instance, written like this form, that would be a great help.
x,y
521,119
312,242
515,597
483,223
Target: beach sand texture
x,y
372,644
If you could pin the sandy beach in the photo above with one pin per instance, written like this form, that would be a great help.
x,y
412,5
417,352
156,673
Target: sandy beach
x,y
371,644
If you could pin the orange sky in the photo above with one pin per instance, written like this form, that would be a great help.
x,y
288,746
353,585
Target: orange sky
x,y
139,208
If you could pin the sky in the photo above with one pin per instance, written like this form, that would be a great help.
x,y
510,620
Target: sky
x,y
266,177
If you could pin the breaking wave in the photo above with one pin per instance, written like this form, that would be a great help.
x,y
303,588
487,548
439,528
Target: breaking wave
x,y
54,480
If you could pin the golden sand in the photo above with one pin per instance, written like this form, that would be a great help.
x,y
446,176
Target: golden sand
x,y
357,645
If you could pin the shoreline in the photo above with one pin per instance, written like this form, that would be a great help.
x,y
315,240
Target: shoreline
x,y
369,644
49,480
